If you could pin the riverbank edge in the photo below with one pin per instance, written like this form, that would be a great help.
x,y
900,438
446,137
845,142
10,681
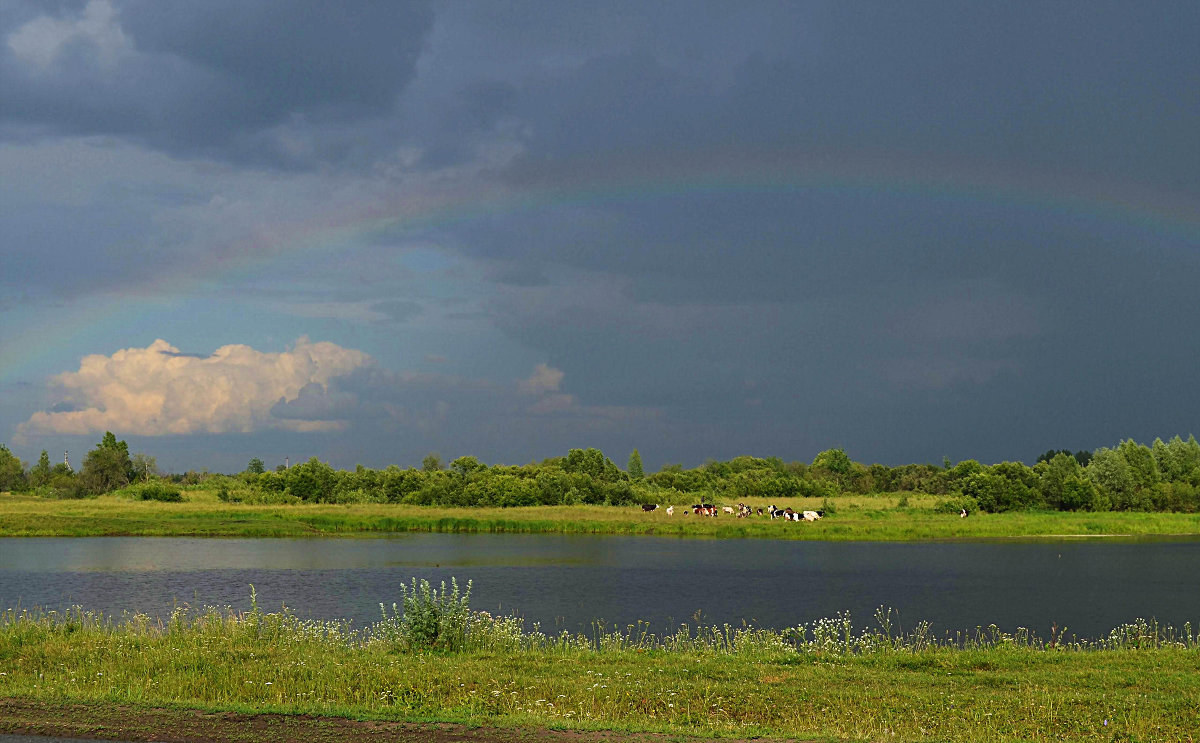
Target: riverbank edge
x,y
186,724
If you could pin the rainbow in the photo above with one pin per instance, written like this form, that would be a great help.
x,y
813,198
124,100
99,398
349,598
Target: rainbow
x,y
1167,216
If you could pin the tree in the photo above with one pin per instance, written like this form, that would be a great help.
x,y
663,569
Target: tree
x,y
312,481
1081,456
466,466
144,467
1059,481
256,466
108,466
989,490
593,463
1142,467
12,471
39,475
431,463
1109,470
635,466
834,460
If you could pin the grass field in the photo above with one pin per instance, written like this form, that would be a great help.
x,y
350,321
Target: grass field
x,y
853,518
1142,683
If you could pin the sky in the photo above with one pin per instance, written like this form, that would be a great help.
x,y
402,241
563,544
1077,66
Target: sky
x,y
367,231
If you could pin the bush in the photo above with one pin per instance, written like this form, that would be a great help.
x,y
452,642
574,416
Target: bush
x,y
430,620
156,491
64,489
956,505
312,481
256,497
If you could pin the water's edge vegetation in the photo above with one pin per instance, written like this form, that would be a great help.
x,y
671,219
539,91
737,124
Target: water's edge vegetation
x,y
431,657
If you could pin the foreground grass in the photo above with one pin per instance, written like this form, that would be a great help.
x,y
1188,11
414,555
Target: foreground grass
x,y
819,682
856,518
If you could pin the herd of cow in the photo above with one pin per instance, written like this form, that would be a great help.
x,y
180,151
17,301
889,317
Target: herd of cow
x,y
742,511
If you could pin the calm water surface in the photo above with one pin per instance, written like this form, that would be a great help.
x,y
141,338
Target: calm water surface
x,y
569,581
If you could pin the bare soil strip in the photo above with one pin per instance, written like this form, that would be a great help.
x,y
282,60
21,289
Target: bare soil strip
x,y
170,725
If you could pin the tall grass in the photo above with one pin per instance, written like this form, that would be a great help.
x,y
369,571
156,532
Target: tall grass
x,y
438,660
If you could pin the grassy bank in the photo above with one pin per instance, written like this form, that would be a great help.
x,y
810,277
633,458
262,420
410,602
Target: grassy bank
x,y
883,517
821,681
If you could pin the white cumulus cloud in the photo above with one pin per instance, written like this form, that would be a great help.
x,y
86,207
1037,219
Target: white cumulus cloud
x,y
157,390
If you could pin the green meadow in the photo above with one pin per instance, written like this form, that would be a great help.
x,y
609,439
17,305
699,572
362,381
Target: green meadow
x,y
893,517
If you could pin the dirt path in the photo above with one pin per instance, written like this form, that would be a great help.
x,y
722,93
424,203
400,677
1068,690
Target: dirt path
x,y
118,722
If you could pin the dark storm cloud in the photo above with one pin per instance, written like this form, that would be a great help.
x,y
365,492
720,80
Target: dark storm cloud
x,y
1001,335
213,78
906,229
979,314
1096,87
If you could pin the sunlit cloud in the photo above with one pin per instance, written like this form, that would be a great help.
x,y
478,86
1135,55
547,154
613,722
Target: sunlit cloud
x,y
158,390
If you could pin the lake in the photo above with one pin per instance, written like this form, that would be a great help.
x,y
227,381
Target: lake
x,y
566,582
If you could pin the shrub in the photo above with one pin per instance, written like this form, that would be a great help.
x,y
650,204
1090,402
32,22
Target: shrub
x,y
256,497
956,505
430,619
312,481
156,491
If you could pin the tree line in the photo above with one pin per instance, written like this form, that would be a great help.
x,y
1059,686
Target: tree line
x,y
1164,476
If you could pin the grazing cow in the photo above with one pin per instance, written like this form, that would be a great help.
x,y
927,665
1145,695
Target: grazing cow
x,y
648,507
671,510
727,509
760,512
963,514
812,515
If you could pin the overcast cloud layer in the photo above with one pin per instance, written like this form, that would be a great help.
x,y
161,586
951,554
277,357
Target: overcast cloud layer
x,y
698,229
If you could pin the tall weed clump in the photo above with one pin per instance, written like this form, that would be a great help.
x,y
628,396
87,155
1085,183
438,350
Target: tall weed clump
x,y
428,618
155,491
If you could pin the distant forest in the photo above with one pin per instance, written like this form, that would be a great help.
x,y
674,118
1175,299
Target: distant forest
x,y
1164,476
